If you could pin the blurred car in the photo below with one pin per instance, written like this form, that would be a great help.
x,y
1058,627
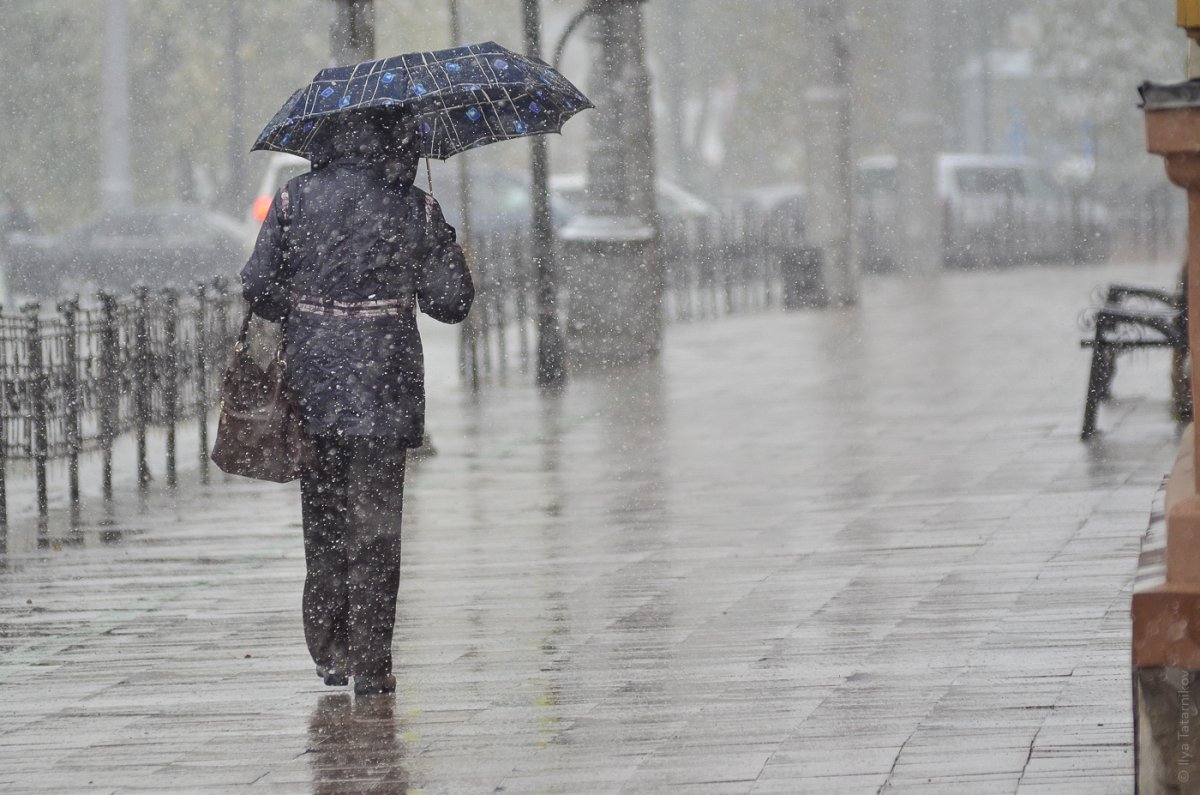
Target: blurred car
x,y
500,207
171,244
280,167
996,210
686,221
499,198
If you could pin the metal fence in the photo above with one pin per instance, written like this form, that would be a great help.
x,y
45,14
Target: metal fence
x,y
711,268
76,378
1149,224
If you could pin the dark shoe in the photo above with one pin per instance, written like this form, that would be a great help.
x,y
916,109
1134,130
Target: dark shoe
x,y
333,676
367,685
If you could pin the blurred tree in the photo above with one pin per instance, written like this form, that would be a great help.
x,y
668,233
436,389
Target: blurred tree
x,y
50,56
733,77
1091,55
182,99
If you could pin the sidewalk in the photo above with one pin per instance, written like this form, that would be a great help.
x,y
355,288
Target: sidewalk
x,y
858,551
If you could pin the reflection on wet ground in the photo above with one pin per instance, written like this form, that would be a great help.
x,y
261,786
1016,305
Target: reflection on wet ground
x,y
353,746
809,552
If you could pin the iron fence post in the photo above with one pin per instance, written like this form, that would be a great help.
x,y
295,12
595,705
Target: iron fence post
x,y
69,309
37,404
5,388
141,380
221,289
170,382
109,388
201,364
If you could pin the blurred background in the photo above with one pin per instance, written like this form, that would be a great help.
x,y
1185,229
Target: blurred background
x,y
1049,85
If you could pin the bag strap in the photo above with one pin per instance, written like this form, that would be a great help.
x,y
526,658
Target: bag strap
x,y
241,338
285,221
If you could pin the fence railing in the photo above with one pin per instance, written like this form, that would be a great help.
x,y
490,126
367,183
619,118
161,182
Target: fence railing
x,y
711,268
76,378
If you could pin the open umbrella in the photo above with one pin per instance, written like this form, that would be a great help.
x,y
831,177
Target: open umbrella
x,y
463,97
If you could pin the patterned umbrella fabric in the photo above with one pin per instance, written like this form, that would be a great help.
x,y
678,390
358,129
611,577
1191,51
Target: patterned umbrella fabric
x,y
463,98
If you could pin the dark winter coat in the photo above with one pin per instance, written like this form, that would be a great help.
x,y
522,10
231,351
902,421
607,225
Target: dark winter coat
x,y
358,231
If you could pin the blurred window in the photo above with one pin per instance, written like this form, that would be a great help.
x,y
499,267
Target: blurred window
x,y
989,180
877,179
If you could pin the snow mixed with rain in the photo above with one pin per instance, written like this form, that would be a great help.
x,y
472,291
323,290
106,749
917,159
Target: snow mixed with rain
x,y
656,390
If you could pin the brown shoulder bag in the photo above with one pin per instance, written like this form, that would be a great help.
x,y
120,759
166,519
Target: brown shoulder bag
x,y
260,434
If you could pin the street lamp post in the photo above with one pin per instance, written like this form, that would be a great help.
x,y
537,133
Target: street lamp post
x,y
919,131
829,132
551,368
614,275
116,186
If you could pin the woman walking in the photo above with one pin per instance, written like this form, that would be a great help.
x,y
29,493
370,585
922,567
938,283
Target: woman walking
x,y
346,255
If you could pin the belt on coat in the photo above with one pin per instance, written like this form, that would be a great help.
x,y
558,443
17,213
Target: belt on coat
x,y
327,307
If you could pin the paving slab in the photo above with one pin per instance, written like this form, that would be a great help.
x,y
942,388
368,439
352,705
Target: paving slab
x,y
853,551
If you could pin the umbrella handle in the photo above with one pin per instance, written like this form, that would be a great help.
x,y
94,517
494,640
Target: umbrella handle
x,y
429,176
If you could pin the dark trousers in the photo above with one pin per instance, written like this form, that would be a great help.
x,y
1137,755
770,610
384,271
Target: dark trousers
x,y
352,495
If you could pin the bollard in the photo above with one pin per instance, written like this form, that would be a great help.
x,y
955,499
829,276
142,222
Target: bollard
x,y
170,382
142,377
803,285
69,309
110,388
37,385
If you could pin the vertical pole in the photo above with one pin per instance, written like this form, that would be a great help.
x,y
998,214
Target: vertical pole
x,y
1153,234
352,37
846,286
69,310
551,362
115,183
236,156
983,31
470,332
1193,309
830,156
919,129
221,290
37,395
524,261
201,362
141,381
614,271
8,374
110,377
170,377
676,80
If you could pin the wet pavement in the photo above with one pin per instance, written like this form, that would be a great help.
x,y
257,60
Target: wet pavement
x,y
844,551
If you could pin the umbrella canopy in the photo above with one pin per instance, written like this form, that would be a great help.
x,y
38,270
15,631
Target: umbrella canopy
x,y
462,98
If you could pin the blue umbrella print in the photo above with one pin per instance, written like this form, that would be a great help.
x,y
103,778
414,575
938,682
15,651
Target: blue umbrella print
x,y
462,98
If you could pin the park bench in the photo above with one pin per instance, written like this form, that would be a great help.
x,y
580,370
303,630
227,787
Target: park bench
x,y
1134,317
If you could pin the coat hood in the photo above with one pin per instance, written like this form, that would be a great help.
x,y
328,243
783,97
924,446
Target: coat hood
x,y
384,138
